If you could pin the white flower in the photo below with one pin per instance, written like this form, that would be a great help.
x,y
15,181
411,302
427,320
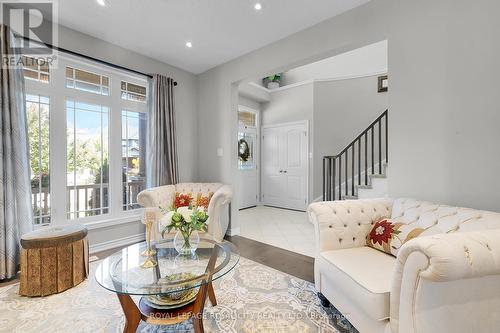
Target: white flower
x,y
186,213
201,208
166,219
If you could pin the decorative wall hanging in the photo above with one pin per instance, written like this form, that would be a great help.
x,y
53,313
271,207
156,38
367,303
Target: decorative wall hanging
x,y
243,150
383,83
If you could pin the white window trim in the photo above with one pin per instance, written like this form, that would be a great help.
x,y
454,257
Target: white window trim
x,y
57,92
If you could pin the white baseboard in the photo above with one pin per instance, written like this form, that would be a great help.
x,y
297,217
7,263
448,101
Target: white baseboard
x,y
116,243
233,232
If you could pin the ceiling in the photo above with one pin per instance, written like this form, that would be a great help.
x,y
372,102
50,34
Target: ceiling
x,y
220,30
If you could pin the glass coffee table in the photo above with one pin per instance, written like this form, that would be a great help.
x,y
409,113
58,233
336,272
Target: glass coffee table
x,y
175,289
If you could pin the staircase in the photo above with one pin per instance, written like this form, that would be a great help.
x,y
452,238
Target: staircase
x,y
360,169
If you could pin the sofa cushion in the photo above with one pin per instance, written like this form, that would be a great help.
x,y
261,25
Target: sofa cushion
x,y
363,274
388,236
203,201
182,199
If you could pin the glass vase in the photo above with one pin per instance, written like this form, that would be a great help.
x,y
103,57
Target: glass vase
x,y
186,244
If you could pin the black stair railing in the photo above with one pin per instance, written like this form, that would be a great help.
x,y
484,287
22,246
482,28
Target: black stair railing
x,y
353,165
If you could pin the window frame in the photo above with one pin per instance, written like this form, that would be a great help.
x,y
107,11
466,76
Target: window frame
x,y
38,71
40,216
128,92
75,80
58,94
121,114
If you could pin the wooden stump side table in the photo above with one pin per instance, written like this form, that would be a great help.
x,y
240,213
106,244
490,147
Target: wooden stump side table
x,y
53,259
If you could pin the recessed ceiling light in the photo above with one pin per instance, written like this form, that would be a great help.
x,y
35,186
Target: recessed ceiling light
x,y
257,6
101,2
189,44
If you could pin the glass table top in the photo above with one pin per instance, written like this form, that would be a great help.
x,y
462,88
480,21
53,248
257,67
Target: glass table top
x,y
122,273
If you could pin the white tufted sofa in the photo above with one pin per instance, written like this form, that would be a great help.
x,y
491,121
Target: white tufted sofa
x,y
446,280
218,212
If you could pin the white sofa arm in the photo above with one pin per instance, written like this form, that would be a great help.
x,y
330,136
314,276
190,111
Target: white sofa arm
x,y
217,225
345,224
435,265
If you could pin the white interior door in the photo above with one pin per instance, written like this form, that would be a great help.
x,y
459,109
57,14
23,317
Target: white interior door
x,y
247,170
273,182
285,165
295,166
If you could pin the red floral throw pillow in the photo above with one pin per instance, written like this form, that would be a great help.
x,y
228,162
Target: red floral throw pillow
x,y
182,200
388,236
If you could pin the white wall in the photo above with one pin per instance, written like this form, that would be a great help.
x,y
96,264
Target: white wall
x,y
342,110
289,105
249,103
367,60
445,102
186,115
443,105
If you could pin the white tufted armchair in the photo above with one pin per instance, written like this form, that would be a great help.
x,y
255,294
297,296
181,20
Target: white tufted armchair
x,y
447,280
218,212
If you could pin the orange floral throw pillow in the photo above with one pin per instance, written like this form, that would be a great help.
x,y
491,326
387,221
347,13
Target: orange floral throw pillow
x,y
203,201
182,199
388,236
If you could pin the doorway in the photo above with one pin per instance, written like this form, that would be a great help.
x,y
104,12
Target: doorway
x,y
273,176
248,156
305,113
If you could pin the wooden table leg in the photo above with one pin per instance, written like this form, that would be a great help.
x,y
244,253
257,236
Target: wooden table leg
x,y
132,313
198,325
211,294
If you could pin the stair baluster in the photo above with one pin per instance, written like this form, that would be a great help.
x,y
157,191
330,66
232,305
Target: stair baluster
x,y
332,178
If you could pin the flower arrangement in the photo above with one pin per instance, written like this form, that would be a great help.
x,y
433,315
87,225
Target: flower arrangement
x,y
185,220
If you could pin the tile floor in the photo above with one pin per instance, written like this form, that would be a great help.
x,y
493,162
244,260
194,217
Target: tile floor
x,y
287,229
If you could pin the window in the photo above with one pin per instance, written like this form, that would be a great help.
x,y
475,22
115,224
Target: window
x,y
247,138
133,92
35,69
246,118
37,109
133,156
87,81
87,145
87,159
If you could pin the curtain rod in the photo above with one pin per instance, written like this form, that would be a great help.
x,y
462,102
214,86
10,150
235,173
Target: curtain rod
x,y
93,59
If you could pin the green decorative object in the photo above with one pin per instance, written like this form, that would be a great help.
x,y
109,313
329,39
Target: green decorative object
x,y
272,81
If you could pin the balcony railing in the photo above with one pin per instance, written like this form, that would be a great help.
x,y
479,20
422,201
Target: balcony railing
x,y
85,200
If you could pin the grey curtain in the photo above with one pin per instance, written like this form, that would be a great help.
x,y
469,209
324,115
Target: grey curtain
x,y
162,145
15,190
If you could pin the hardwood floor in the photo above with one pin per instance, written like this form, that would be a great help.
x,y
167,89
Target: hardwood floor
x,y
292,263
283,260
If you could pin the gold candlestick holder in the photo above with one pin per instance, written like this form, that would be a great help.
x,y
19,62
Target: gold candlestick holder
x,y
149,219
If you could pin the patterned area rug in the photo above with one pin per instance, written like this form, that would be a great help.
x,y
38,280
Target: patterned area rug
x,y
251,298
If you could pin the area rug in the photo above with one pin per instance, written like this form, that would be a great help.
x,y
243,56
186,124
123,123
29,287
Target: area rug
x,y
251,298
